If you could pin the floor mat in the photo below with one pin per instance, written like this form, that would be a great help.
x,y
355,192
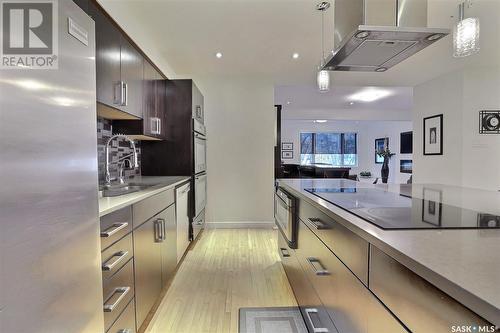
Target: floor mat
x,y
271,320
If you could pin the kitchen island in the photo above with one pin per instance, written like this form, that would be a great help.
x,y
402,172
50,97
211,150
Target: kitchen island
x,y
462,263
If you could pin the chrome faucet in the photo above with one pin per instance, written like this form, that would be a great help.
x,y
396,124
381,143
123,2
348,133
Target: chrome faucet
x,y
123,158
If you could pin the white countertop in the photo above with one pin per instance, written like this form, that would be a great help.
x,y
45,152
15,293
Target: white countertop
x,y
110,204
463,263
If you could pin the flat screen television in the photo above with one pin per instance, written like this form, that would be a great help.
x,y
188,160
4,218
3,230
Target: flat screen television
x,y
406,143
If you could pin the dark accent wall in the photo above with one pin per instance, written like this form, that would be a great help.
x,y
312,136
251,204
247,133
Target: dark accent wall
x,y
119,148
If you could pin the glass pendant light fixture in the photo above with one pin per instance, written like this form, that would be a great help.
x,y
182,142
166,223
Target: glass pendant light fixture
x,y
323,75
465,34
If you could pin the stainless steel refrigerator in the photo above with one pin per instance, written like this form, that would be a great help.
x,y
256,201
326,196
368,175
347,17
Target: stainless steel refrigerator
x,y
50,278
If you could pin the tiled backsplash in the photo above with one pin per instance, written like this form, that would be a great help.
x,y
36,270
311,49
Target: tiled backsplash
x,y
119,148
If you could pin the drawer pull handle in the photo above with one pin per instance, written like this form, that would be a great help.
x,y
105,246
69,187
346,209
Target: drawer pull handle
x,y
317,267
114,229
126,330
118,257
122,291
284,252
315,329
317,224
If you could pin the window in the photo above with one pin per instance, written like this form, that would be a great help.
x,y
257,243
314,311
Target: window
x,y
336,149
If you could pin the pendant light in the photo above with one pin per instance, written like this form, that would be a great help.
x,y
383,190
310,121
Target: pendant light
x,y
323,75
465,34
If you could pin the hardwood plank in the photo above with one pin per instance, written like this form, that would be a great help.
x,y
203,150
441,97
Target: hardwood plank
x,y
226,269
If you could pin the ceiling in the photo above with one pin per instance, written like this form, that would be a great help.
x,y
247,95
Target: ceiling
x,y
306,102
258,37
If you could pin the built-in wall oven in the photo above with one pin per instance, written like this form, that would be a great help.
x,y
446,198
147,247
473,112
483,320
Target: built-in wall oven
x,y
285,216
200,177
200,147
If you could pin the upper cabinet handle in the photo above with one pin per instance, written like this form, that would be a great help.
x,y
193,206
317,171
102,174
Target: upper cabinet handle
x,y
125,94
114,229
118,93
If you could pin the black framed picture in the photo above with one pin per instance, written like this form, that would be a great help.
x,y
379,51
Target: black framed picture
x,y
379,145
287,146
406,166
433,135
432,206
287,155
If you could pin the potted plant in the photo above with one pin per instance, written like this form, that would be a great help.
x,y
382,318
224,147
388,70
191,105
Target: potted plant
x,y
386,154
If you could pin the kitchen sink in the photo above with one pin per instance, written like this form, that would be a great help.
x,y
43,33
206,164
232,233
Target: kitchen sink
x,y
117,190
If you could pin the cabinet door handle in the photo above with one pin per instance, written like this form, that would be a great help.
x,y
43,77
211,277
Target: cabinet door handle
x,y
125,94
157,227
317,223
125,330
122,292
284,252
163,235
159,126
118,93
315,329
114,260
114,229
317,267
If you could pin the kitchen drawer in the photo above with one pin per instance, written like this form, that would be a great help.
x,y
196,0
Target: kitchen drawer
x,y
351,306
117,292
115,225
417,303
349,247
310,305
116,256
147,208
126,321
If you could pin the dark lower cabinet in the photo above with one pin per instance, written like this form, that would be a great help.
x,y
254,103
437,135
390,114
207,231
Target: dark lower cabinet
x,y
155,259
147,260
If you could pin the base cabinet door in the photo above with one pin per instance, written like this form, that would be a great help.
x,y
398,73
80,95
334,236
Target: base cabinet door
x,y
168,245
351,306
147,260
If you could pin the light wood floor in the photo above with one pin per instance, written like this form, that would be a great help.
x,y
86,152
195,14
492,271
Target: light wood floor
x,y
225,270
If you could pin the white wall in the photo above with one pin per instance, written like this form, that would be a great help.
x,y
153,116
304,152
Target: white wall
x,y
367,132
240,120
469,159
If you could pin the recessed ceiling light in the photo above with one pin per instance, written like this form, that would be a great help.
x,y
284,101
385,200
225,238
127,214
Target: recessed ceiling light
x,y
351,103
288,102
295,56
370,95
321,121
218,55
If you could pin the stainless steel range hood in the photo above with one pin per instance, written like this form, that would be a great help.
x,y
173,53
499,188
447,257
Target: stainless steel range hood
x,y
375,35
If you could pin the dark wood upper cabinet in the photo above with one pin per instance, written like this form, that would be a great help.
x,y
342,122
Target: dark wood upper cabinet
x,y
119,67
108,58
131,64
152,126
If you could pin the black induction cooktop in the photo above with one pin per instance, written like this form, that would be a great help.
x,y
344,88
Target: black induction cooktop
x,y
398,211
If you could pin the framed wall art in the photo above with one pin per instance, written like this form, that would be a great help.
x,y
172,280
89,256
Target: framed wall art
x,y
433,135
287,155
